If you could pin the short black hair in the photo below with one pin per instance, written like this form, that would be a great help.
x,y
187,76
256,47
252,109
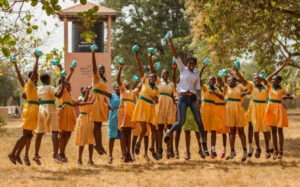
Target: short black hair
x,y
44,77
191,58
29,74
279,78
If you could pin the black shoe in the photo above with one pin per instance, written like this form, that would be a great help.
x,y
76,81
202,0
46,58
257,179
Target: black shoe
x,y
204,146
201,154
257,154
167,136
245,155
172,154
250,152
12,158
154,154
231,156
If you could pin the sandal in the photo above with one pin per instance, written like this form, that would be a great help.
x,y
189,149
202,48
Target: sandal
x,y
100,150
172,154
147,158
223,154
200,152
258,152
26,161
245,155
18,159
154,154
79,162
279,157
250,152
187,156
110,160
137,149
177,155
204,146
213,155
63,158
168,154
37,160
231,156
132,157
12,158
268,155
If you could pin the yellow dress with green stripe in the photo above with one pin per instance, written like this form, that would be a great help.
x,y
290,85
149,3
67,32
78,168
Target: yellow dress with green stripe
x,y
235,113
99,110
208,109
276,115
165,109
66,113
31,108
221,114
84,127
144,110
258,105
126,108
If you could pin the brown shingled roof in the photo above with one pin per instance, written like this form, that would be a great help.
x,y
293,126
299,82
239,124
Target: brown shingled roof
x,y
73,10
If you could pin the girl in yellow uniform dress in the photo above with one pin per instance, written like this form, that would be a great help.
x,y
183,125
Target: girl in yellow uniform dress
x,y
144,111
85,127
99,110
221,120
257,105
208,110
165,108
276,116
29,115
125,111
235,114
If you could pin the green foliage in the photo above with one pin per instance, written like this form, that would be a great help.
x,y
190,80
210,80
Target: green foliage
x,y
9,94
145,23
2,122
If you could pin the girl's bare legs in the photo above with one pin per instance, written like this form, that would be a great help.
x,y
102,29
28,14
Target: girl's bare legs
x,y
274,137
232,142
79,161
111,147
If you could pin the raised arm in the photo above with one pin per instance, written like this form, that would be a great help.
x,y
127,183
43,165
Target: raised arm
x,y
286,63
220,81
21,80
174,66
151,63
179,62
137,60
35,68
240,77
200,74
61,90
119,74
94,62
70,74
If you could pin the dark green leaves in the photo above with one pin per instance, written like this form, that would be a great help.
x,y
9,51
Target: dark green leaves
x,y
34,2
83,2
6,51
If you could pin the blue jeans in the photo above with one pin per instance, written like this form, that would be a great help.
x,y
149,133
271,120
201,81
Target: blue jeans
x,y
185,101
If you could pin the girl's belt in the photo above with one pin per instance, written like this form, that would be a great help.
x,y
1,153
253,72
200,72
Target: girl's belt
x,y
146,99
49,102
208,101
233,99
123,100
64,103
33,102
165,94
258,101
98,91
274,101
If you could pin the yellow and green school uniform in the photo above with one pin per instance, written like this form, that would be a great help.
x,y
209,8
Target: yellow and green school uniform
x,y
165,109
66,112
48,118
235,114
126,109
31,108
99,110
144,110
258,105
276,115
85,127
208,109
221,114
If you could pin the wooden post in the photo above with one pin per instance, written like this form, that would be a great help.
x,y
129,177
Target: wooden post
x,y
109,35
66,35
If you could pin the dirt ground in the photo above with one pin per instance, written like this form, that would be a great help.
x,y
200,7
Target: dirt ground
x,y
196,172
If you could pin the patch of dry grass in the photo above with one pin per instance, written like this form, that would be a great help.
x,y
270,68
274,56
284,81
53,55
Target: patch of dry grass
x,y
196,172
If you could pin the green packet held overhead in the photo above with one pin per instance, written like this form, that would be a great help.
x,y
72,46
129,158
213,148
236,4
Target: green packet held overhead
x,y
13,59
38,52
94,47
207,61
63,73
121,60
135,78
174,60
74,64
157,65
168,36
55,62
151,50
135,48
222,73
237,64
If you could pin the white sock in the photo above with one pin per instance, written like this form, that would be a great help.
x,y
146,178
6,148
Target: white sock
x,y
250,146
213,149
224,149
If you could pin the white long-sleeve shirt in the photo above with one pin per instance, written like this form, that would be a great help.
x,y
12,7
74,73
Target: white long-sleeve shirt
x,y
189,81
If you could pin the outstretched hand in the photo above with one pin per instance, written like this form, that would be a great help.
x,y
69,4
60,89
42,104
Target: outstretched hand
x,y
287,63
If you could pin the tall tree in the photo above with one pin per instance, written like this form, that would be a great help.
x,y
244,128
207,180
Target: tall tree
x,y
145,23
267,30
